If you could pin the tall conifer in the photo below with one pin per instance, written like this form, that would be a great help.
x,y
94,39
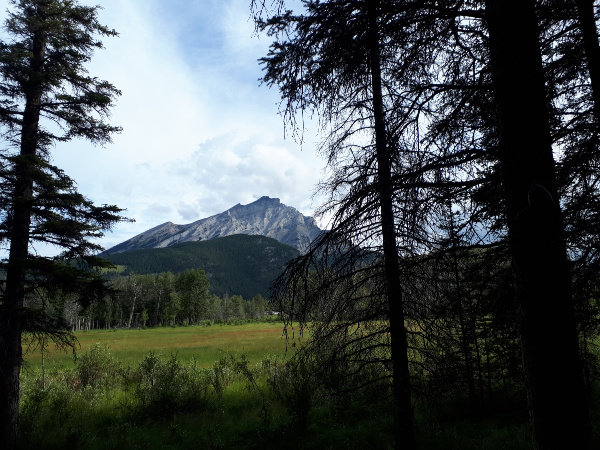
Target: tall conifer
x,y
46,97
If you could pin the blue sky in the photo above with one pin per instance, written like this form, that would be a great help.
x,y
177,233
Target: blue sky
x,y
199,133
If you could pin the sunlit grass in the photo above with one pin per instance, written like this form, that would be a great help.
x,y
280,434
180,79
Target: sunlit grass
x,y
206,344
230,388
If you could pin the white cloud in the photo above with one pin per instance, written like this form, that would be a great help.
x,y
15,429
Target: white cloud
x,y
199,134
227,170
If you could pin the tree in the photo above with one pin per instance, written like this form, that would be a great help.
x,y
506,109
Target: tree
x,y
587,23
337,60
172,308
225,310
448,146
533,213
193,285
236,306
215,307
133,291
393,291
257,306
46,96
163,286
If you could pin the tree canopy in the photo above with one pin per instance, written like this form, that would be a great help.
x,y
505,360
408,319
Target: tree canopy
x,y
46,97
487,160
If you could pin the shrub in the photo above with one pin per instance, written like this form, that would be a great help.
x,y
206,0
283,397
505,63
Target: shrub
x,y
51,415
97,368
168,387
296,387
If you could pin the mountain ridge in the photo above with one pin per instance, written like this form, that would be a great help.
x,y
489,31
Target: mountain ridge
x,y
264,217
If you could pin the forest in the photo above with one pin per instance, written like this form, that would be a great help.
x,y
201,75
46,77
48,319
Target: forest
x,y
459,276
162,299
236,265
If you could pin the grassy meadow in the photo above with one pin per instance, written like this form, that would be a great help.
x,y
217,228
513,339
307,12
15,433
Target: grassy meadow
x,y
206,344
214,387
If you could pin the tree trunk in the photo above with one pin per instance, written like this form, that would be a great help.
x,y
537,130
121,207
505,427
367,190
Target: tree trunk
x,y
465,334
131,312
12,307
557,406
10,366
587,23
157,308
403,417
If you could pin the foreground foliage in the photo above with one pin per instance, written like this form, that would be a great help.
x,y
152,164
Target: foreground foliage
x,y
454,132
168,403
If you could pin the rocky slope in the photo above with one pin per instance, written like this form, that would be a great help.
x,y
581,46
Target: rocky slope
x,y
266,217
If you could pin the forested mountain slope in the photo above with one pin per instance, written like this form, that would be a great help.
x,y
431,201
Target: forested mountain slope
x,y
238,264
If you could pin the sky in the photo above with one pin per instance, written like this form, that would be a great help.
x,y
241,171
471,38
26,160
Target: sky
x,y
200,134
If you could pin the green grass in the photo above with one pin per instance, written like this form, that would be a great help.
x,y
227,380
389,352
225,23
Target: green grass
x,y
133,404
119,268
207,344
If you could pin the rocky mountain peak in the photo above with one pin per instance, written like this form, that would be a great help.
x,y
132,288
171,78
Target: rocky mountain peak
x,y
265,216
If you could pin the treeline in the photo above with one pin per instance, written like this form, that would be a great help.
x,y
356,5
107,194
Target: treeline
x,y
164,299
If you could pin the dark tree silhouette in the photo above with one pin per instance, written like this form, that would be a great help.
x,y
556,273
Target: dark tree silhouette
x,y
586,17
46,97
313,71
553,375
448,146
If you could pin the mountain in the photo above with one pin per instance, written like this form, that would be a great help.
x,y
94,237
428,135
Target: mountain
x,y
238,264
265,217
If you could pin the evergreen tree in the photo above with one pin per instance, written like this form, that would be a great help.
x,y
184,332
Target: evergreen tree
x,y
46,97
448,144
339,60
536,230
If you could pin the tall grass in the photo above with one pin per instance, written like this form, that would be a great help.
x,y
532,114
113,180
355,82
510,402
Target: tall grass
x,y
164,402
140,389
206,344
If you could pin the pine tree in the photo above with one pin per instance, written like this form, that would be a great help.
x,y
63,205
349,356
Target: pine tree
x,y
553,374
441,69
46,97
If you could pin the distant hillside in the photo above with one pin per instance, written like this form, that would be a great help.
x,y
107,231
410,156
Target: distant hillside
x,y
264,217
238,264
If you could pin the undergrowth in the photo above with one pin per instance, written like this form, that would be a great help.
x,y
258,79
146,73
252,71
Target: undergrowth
x,y
167,403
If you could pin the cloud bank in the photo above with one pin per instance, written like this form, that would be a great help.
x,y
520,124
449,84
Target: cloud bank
x,y
199,133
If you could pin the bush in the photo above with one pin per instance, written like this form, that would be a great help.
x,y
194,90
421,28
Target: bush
x,y
296,387
168,387
97,368
57,414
